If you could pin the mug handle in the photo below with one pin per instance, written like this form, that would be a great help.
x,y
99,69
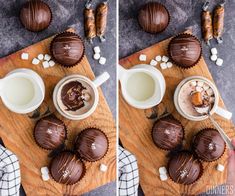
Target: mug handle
x,y
98,81
121,72
223,113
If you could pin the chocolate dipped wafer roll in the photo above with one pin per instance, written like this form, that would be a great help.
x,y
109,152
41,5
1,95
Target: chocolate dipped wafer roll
x,y
101,20
89,22
218,22
206,21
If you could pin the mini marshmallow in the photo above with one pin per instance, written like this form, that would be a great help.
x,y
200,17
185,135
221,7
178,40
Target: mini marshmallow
x,y
51,63
163,65
47,57
44,170
169,64
219,62
45,177
158,58
103,167
45,64
199,89
214,51
86,97
193,83
214,57
97,49
102,60
35,61
153,63
165,58
209,91
220,168
96,56
142,57
162,170
163,177
200,83
40,57
25,56
205,87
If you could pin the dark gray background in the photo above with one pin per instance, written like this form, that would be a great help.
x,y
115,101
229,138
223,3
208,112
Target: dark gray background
x,y
184,14
66,13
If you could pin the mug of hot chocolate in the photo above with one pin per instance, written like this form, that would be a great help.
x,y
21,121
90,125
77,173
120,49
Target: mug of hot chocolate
x,y
76,97
196,97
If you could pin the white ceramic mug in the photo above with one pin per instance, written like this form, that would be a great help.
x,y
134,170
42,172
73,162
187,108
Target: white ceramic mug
x,y
158,81
98,81
22,90
215,109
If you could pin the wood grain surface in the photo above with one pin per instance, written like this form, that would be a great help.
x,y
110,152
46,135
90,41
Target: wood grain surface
x,y
16,130
135,131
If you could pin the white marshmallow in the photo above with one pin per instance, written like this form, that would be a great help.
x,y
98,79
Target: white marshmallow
x,y
35,61
44,170
162,170
97,49
103,167
40,57
205,87
193,83
45,64
214,51
47,57
153,63
220,168
199,89
51,63
163,65
102,61
214,57
86,97
209,91
163,177
158,58
165,58
169,64
25,56
96,56
200,83
219,62
142,57
45,177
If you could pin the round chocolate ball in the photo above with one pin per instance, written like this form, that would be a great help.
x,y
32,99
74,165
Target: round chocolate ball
x,y
91,144
185,50
153,17
35,15
72,95
208,145
50,132
67,49
167,133
66,168
184,168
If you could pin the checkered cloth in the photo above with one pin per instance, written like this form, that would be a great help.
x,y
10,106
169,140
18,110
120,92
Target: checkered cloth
x,y
9,173
128,173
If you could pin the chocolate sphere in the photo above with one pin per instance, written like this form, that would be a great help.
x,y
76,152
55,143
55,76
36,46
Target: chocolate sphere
x,y
167,133
184,168
67,49
91,144
72,95
66,168
208,145
185,50
35,15
153,17
50,132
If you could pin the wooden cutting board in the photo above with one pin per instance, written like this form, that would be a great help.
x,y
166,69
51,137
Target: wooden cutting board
x,y
16,130
135,131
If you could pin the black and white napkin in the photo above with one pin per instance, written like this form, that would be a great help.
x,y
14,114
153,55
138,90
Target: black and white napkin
x,y
128,173
9,173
